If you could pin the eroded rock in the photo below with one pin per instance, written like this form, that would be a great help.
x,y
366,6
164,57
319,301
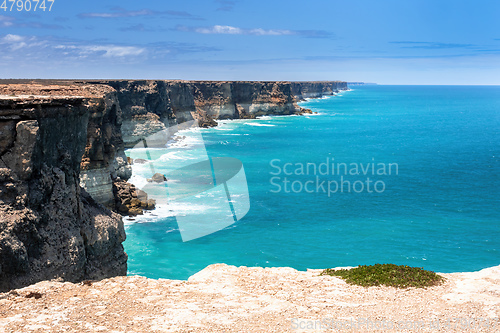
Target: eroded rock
x,y
129,200
49,227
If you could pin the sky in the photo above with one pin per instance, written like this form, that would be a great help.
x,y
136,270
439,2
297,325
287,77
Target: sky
x,y
385,41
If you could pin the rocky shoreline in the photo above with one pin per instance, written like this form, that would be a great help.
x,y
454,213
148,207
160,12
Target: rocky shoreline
x,y
63,166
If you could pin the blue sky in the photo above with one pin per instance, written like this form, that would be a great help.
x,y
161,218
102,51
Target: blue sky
x,y
388,42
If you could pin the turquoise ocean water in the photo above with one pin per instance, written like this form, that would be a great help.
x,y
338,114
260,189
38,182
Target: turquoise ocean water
x,y
432,154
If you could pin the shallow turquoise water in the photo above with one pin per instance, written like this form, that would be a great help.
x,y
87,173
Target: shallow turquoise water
x,y
439,208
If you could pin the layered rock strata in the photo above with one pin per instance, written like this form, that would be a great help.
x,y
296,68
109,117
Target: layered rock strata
x,y
49,226
316,89
150,106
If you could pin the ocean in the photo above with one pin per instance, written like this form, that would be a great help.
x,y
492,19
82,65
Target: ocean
x,y
381,174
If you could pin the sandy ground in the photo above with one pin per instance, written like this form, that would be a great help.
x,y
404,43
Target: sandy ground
x,y
224,298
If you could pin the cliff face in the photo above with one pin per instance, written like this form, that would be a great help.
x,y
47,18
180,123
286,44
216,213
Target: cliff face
x,y
233,100
62,157
104,158
150,106
316,89
50,227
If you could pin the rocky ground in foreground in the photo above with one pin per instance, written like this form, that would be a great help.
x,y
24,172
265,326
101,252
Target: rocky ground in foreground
x,y
225,298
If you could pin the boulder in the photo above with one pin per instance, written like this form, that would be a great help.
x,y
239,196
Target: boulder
x,y
157,178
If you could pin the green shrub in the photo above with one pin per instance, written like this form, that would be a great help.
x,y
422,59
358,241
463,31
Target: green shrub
x,y
388,275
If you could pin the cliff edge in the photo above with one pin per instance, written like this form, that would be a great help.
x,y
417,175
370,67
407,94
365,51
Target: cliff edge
x,y
224,298
50,228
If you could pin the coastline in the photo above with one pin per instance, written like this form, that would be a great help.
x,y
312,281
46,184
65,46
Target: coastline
x,y
179,140
64,180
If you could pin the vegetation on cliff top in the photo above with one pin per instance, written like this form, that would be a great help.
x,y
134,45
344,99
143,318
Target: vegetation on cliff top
x,y
389,275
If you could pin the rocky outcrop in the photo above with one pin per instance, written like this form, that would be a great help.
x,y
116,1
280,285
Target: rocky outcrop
x,y
157,178
129,200
49,226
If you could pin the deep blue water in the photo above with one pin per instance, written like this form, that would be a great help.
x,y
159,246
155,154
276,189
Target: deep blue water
x,y
438,209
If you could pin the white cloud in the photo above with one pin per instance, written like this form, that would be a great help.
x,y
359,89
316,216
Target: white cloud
x,y
220,29
13,38
10,22
229,30
262,32
113,50
16,42
6,21
118,12
144,12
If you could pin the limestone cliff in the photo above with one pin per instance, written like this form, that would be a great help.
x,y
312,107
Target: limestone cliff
x,y
223,298
104,158
49,226
150,106
316,89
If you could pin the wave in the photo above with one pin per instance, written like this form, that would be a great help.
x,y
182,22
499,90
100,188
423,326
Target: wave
x,y
257,124
186,141
181,155
166,210
137,180
313,114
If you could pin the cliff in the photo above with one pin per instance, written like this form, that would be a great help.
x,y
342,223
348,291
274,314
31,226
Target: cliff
x,y
316,89
62,158
50,227
104,157
150,106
